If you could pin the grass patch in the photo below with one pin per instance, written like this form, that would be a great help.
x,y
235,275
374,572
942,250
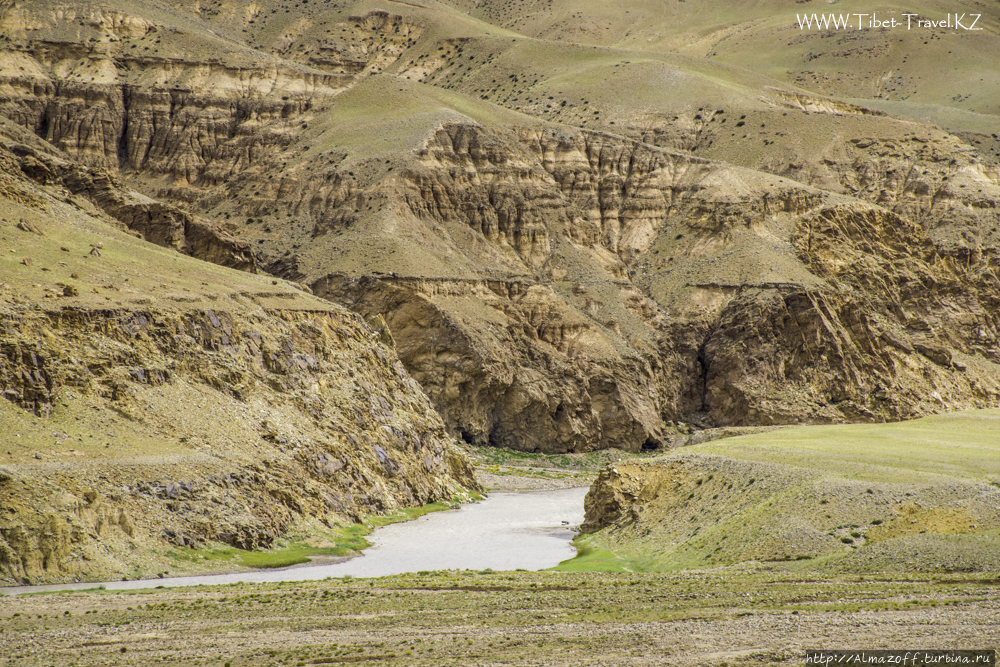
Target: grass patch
x,y
960,444
807,491
592,558
285,554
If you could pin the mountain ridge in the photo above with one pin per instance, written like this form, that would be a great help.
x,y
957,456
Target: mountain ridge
x,y
575,246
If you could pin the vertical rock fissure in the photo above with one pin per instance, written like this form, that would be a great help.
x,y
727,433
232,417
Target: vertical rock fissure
x,y
703,377
42,126
123,161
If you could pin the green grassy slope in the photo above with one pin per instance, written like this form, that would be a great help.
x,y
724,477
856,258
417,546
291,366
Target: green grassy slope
x,y
920,495
961,444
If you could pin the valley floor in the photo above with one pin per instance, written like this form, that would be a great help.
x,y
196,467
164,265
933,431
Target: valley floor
x,y
746,616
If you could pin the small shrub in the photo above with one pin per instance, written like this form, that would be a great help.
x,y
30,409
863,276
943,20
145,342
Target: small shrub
x,y
847,540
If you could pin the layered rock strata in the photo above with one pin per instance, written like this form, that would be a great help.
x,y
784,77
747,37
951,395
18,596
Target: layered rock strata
x,y
153,401
552,288
708,290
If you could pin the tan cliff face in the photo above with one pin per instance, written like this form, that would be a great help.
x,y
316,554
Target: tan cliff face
x,y
224,428
152,220
172,106
508,365
746,307
573,247
154,401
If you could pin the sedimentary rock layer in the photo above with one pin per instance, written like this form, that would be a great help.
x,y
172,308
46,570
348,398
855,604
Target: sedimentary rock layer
x,y
154,401
562,271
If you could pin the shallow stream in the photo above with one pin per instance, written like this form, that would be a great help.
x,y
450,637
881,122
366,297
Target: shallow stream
x,y
529,530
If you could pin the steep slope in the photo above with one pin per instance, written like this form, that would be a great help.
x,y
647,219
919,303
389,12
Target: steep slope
x,y
574,247
101,192
942,180
154,401
548,286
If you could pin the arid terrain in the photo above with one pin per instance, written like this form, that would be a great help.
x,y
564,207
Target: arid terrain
x,y
712,617
582,226
157,402
275,273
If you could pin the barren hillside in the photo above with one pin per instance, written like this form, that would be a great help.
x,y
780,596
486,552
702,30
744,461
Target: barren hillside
x,y
582,226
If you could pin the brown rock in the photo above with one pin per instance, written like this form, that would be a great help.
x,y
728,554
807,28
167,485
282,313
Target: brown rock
x,y
25,226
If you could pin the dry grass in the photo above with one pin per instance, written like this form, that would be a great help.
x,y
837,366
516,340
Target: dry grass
x,y
750,616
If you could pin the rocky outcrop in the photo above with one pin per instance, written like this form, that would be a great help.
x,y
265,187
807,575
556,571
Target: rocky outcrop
x,y
154,401
507,363
552,288
338,431
803,338
152,220
157,100
793,496
628,286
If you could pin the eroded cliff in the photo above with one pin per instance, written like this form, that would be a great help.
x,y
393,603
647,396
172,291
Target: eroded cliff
x,y
156,402
672,286
573,247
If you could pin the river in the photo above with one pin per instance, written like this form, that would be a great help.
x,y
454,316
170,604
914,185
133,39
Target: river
x,y
530,530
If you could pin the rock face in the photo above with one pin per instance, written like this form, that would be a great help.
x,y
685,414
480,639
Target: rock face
x,y
561,271
313,418
507,374
149,94
707,290
152,220
154,401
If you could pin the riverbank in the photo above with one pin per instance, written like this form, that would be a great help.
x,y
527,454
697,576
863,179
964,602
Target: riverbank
x,y
509,478
500,469
527,530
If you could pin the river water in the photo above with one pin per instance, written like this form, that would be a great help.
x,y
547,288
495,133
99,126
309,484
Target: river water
x,y
530,530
